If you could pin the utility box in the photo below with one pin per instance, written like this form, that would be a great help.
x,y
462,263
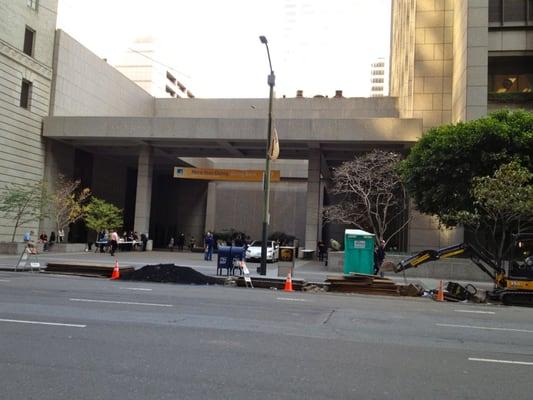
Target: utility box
x,y
287,257
358,251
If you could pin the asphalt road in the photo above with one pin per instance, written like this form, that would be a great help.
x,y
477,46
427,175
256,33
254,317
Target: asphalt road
x,y
84,338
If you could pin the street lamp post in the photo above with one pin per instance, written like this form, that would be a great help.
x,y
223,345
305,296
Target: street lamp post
x,y
266,177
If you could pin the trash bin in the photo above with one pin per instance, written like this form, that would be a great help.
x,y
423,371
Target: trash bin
x,y
229,257
358,251
149,245
287,256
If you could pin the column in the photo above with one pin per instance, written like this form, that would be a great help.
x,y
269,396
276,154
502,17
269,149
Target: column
x,y
211,207
143,198
314,206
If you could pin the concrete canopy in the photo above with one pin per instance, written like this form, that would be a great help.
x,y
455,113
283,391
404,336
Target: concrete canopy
x,y
337,139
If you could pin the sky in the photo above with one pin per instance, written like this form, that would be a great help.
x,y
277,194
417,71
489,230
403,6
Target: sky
x,y
213,46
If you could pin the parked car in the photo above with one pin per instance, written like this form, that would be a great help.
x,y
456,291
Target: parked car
x,y
253,252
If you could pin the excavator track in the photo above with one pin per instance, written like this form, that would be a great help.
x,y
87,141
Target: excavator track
x,y
517,298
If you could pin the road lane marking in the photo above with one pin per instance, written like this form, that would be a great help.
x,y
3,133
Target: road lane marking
x,y
499,361
289,299
475,311
136,288
122,302
488,328
5,280
19,321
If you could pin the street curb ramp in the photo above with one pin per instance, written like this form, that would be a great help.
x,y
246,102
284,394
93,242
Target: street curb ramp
x,y
171,273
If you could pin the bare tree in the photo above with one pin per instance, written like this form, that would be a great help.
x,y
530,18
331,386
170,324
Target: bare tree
x,y
372,194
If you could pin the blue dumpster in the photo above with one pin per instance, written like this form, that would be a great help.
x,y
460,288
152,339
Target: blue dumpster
x,y
228,258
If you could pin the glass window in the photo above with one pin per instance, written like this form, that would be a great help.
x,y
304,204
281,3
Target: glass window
x,y
25,94
29,39
510,74
514,10
32,4
495,11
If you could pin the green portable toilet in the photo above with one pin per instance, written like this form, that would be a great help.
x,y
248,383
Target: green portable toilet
x,y
358,251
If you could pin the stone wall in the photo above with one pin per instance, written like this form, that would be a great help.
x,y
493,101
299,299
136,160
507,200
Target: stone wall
x,y
470,60
22,150
451,269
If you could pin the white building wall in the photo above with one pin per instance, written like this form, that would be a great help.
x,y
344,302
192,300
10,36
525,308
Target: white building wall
x,y
22,148
86,85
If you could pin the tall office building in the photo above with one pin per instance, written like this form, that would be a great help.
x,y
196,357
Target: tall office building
x,y
378,78
453,60
143,64
26,52
457,60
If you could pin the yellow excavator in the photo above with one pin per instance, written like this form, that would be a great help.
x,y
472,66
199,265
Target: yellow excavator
x,y
511,287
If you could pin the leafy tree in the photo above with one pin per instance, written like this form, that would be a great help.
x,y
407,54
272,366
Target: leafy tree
x,y
23,204
503,203
100,215
372,194
67,201
441,167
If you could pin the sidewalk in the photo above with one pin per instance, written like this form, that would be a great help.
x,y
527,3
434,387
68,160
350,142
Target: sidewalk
x,y
309,270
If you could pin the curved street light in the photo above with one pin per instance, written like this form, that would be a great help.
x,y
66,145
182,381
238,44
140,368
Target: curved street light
x,y
266,177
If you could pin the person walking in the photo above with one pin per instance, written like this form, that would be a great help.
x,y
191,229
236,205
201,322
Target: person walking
x,y
379,256
181,241
171,244
321,250
144,240
91,239
61,235
114,242
208,242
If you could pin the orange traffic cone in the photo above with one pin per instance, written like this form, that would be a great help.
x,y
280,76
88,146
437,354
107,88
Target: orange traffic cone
x,y
288,284
440,293
116,271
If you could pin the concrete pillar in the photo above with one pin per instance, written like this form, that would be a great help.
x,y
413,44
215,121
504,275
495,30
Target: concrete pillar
x,y
59,159
313,216
211,207
143,199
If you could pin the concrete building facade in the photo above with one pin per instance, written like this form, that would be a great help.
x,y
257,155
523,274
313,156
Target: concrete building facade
x,y
26,54
451,61
379,78
142,64
140,139
123,143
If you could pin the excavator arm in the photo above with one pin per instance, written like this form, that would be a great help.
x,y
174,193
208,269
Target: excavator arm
x,y
482,262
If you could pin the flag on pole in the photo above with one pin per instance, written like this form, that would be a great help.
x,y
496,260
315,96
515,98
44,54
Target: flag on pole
x,y
273,151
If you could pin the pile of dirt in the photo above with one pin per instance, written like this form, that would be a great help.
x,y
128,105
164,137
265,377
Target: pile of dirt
x,y
172,273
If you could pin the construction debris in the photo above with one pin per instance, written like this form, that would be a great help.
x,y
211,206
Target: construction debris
x,y
172,273
370,284
267,283
84,269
